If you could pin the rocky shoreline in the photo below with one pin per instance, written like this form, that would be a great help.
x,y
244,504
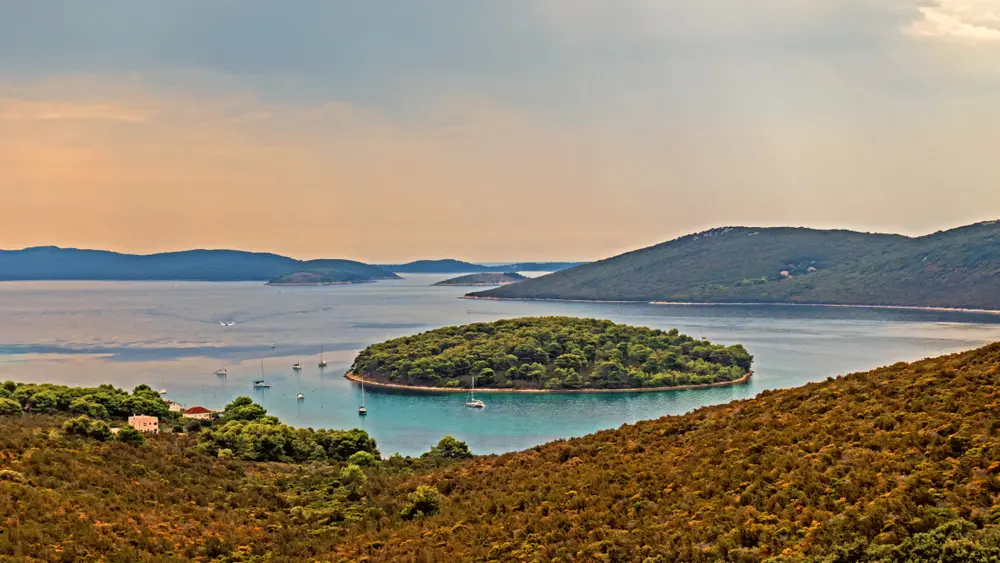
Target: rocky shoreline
x,y
425,389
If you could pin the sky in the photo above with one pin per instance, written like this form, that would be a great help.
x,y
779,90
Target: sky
x,y
519,130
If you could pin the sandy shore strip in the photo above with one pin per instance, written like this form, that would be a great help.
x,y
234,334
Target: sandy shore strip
x,y
743,304
479,298
421,389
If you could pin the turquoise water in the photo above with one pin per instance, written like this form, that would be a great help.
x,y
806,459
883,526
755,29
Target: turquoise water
x,y
168,335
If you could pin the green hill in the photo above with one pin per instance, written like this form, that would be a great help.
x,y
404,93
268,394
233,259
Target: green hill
x,y
551,353
900,464
956,268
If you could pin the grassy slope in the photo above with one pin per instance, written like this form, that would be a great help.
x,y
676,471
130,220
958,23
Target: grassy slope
x,y
868,458
957,268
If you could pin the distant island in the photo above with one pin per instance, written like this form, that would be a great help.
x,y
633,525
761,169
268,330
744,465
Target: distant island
x,y
450,266
318,278
959,268
54,263
485,278
550,354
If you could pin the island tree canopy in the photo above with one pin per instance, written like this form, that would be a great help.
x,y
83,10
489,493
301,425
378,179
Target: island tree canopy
x,y
552,353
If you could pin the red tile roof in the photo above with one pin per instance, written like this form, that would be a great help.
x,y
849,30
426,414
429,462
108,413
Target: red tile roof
x,y
197,410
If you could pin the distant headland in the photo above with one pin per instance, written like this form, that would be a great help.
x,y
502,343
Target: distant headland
x,y
484,279
954,269
450,266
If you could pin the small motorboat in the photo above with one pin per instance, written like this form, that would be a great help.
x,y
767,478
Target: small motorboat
x,y
300,397
221,372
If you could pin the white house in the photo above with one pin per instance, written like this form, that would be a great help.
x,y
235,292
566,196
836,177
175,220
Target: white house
x,y
145,423
174,406
198,413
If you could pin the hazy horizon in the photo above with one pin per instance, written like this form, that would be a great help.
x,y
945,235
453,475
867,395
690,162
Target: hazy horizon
x,y
545,130
486,262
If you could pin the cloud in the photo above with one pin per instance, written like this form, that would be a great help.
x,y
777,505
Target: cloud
x,y
974,21
31,110
504,130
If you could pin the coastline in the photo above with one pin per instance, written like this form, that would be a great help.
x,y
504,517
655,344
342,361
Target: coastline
x,y
424,389
307,284
745,304
442,284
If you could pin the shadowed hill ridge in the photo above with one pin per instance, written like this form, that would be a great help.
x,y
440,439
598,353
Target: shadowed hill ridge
x,y
54,263
956,268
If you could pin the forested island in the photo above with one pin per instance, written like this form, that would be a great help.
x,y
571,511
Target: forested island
x,y
550,353
899,464
485,278
951,269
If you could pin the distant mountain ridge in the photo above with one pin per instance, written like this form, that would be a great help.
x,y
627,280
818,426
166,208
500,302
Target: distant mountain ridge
x,y
452,266
958,268
54,263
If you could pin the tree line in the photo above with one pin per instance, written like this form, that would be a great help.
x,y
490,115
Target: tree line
x,y
552,353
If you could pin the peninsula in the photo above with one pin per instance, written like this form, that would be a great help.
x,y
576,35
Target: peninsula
x,y
451,266
955,269
316,278
542,354
484,279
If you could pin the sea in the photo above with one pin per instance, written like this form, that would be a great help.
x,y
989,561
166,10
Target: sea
x,y
175,335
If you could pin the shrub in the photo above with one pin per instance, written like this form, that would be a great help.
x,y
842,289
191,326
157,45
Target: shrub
x,y
11,475
450,448
421,502
362,459
79,426
10,407
100,431
129,435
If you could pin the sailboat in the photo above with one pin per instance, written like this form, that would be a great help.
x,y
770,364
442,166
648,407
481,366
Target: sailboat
x,y
221,372
297,366
362,411
261,383
322,362
299,396
473,402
